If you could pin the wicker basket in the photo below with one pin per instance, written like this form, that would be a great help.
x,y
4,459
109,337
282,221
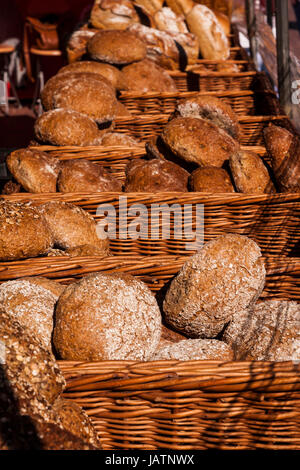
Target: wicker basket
x,y
182,405
271,220
214,80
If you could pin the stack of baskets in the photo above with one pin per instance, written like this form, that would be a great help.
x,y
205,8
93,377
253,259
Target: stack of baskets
x,y
193,404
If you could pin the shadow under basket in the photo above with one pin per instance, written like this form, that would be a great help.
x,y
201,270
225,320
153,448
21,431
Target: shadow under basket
x,y
182,405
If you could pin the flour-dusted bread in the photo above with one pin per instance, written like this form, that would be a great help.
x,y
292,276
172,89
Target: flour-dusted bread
x,y
150,6
113,14
166,20
225,277
147,77
76,46
250,173
111,73
180,7
107,317
194,350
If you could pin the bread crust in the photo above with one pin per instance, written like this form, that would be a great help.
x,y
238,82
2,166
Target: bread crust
x,y
107,317
226,276
116,47
166,20
211,180
146,77
199,141
119,138
249,173
113,14
195,350
151,6
111,73
76,47
36,171
180,7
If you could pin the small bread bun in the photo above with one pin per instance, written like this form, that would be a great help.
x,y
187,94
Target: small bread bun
x,y
111,139
269,331
199,141
212,39
107,317
249,173
36,171
85,176
180,7
151,6
226,276
24,232
212,109
113,14
76,47
116,47
154,176
111,73
211,180
71,226
166,20
66,127
195,349
146,76
32,306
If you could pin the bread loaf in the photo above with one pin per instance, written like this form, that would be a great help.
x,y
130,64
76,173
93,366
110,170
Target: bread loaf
x,y
76,47
107,317
151,6
166,20
146,76
113,14
111,73
249,173
180,7
194,350
119,139
225,277
211,180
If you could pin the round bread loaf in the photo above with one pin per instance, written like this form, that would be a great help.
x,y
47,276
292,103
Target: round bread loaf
x,y
154,176
146,76
249,173
203,23
55,83
94,98
107,317
278,142
226,276
151,6
85,176
211,180
269,331
66,127
212,109
75,420
30,370
36,171
24,232
113,14
195,349
198,141
71,226
111,73
167,20
32,306
116,47
111,139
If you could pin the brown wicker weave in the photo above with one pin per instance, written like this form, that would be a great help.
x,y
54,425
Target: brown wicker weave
x,y
214,80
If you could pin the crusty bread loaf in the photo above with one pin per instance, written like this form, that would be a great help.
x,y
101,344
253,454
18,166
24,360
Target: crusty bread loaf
x,y
213,42
119,138
11,187
223,21
122,111
85,176
194,349
113,14
151,6
76,47
116,47
211,180
51,286
36,171
146,76
180,7
71,226
269,331
198,141
24,232
66,127
210,108
284,150
107,317
154,176
166,20
111,73
225,277
250,173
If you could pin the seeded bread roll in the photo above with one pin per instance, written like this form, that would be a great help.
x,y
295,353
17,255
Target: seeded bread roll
x,y
111,139
71,226
32,306
66,127
76,47
151,6
107,317
249,173
111,73
166,20
116,47
211,180
269,331
198,141
212,39
154,176
211,109
146,76
195,349
180,7
226,276
113,14
85,176
24,232
36,171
